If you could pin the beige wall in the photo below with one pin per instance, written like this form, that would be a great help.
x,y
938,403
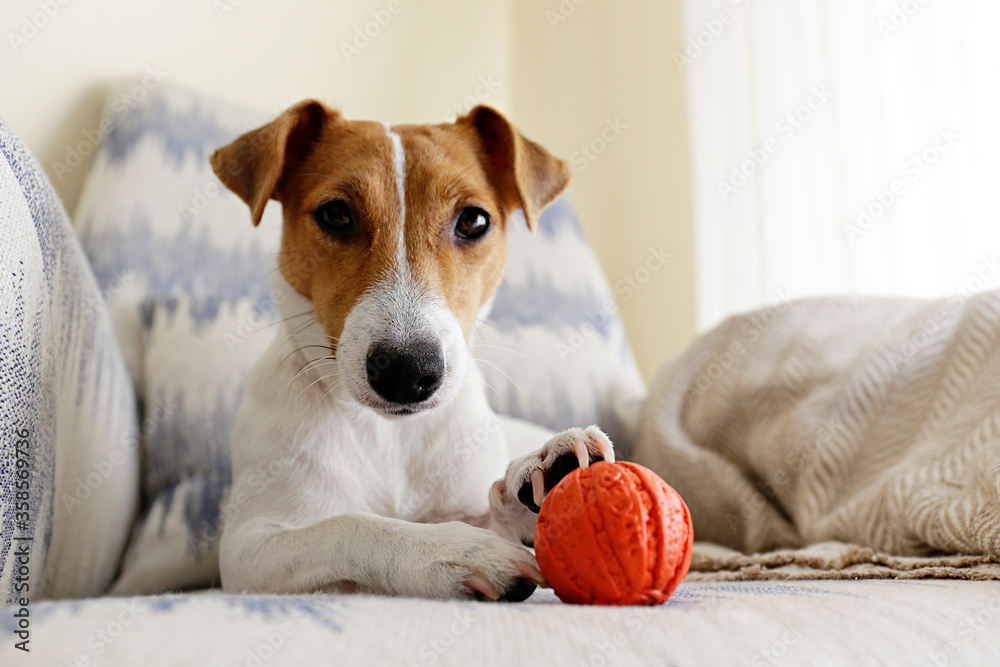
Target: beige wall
x,y
262,53
605,61
575,67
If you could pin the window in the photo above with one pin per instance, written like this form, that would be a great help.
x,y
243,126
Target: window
x,y
843,146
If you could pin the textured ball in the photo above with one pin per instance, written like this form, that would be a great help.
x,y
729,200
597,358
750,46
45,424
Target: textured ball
x,y
613,534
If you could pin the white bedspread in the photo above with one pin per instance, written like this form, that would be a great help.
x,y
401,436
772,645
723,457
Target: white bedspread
x,y
745,623
867,421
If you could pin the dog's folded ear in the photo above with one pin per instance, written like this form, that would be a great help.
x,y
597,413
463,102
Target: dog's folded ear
x,y
527,175
253,164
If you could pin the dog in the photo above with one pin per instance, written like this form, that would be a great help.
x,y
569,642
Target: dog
x,y
365,455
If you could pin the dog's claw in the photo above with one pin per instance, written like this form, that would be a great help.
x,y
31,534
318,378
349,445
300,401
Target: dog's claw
x,y
481,585
582,456
607,450
498,494
538,486
533,573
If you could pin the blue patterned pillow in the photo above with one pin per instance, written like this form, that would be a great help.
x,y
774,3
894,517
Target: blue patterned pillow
x,y
68,430
154,217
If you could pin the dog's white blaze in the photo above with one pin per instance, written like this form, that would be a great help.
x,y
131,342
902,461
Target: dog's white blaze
x,y
398,310
399,160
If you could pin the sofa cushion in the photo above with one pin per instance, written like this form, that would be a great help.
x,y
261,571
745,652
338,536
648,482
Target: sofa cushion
x,y
68,430
743,623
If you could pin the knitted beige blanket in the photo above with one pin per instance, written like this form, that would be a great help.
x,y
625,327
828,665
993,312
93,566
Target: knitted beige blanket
x,y
871,422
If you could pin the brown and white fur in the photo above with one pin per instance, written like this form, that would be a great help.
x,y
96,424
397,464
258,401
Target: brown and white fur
x,y
365,456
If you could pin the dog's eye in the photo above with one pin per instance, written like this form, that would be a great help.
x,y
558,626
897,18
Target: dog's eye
x,y
334,217
472,223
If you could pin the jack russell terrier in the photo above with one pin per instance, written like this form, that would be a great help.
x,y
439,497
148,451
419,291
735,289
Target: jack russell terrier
x,y
393,474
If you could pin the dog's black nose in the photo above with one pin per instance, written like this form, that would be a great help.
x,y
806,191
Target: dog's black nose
x,y
407,374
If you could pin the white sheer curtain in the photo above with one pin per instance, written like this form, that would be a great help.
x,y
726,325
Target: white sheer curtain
x,y
868,134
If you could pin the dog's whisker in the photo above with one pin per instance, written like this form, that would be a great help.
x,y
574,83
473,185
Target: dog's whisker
x,y
302,372
333,387
505,332
491,387
495,341
501,371
326,361
291,381
272,324
319,379
315,341
305,326
471,368
277,267
312,345
305,340
304,368
304,335
505,349
299,349
301,331
324,336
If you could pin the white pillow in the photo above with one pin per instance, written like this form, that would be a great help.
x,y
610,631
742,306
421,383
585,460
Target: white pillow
x,y
68,430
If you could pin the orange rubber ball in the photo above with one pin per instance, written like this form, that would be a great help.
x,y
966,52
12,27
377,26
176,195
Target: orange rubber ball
x,y
613,534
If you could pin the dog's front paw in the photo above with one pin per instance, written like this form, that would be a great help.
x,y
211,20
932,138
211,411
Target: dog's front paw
x,y
472,562
516,499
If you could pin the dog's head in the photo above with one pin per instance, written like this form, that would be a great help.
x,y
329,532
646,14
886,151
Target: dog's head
x,y
396,234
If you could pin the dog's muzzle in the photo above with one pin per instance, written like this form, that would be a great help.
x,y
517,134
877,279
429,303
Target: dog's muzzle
x,y
405,374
